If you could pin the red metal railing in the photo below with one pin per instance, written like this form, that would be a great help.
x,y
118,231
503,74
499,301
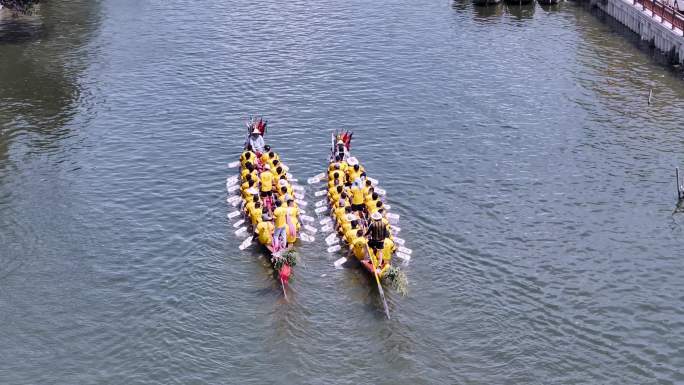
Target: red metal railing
x,y
664,11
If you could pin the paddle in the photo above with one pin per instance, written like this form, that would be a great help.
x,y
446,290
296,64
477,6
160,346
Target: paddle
x,y
377,280
282,284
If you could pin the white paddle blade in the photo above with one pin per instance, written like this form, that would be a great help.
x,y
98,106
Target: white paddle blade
x,y
297,187
332,239
233,214
327,228
239,223
404,257
388,207
306,237
405,250
301,202
299,196
399,241
325,220
311,229
320,176
307,218
374,182
396,230
338,264
313,180
231,180
233,188
234,164
246,243
393,218
320,193
320,210
241,231
380,191
289,176
321,203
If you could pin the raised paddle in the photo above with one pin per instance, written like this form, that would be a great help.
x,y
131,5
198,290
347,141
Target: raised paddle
x,y
377,280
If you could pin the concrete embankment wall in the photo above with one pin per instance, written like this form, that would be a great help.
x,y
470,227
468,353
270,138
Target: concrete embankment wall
x,y
659,34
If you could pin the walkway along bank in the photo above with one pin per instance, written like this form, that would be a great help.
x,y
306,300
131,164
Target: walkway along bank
x,y
655,21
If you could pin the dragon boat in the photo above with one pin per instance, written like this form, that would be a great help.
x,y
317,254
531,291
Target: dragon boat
x,y
351,214
256,205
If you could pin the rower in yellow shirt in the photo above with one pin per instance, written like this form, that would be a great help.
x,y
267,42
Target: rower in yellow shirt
x,y
334,195
266,182
280,219
246,170
387,251
264,155
292,220
255,213
264,230
357,198
247,156
372,202
359,246
350,234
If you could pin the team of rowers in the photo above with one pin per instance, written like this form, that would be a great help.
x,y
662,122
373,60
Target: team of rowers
x,y
268,197
354,201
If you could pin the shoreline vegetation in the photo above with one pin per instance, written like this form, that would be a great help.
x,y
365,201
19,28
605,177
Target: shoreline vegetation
x,y
24,7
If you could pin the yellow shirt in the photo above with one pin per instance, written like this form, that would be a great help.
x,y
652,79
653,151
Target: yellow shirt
x,y
249,207
255,214
243,173
293,212
279,215
339,213
244,160
357,196
353,174
265,232
350,234
359,247
387,250
266,181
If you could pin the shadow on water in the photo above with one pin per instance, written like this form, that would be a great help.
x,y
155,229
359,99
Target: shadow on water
x,y
40,71
19,29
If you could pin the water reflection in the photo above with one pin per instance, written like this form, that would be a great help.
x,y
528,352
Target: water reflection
x,y
521,11
487,13
40,70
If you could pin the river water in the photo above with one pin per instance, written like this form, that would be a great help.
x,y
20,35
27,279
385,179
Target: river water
x,y
535,185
